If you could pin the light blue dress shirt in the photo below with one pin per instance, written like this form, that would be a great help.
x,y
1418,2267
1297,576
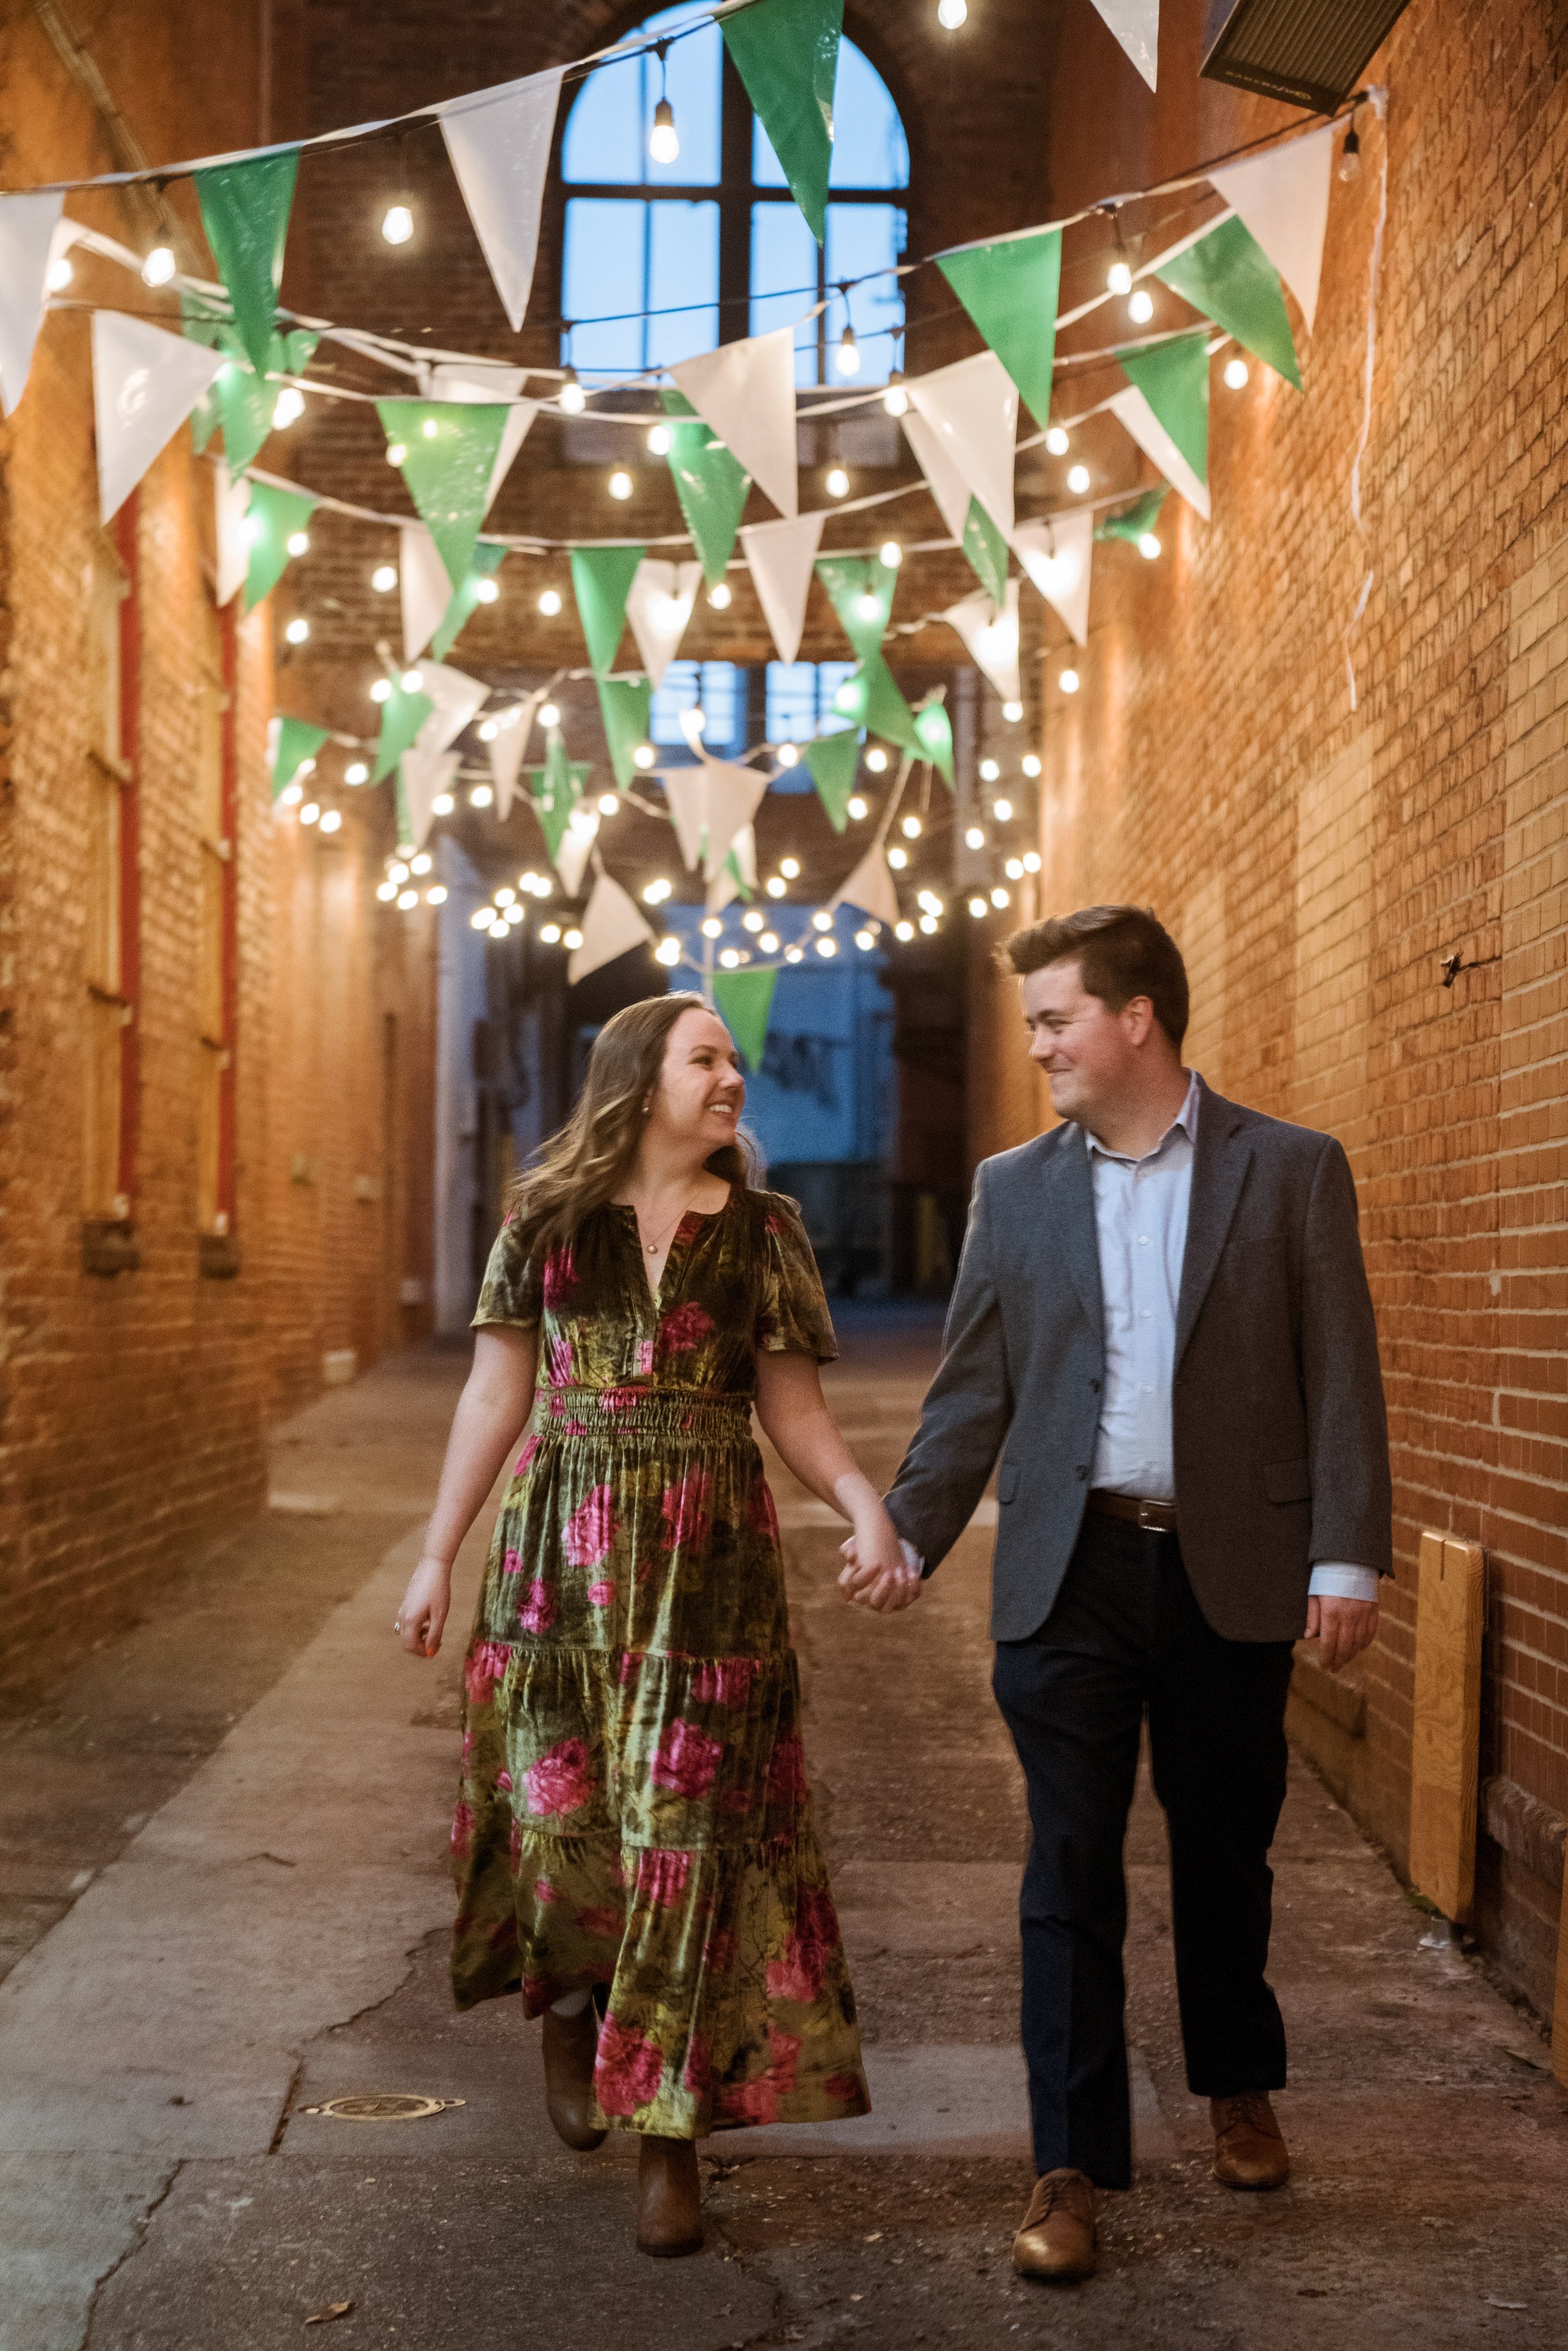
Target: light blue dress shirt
x,y
1140,1222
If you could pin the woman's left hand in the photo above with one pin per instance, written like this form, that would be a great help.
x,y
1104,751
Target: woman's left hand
x,y
876,1571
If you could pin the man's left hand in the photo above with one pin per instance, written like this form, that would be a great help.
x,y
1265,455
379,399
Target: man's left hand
x,y
1342,1628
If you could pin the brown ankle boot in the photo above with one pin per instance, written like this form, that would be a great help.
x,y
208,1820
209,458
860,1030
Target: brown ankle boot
x,y
1249,2145
1057,2237
669,2199
571,2044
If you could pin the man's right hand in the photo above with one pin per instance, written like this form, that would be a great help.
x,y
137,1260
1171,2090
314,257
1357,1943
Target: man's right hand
x,y
877,1586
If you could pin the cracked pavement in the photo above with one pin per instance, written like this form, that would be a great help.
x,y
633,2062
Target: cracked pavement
x,y
223,1900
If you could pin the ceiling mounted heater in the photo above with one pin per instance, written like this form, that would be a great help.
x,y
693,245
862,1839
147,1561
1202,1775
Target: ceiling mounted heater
x,y
1309,52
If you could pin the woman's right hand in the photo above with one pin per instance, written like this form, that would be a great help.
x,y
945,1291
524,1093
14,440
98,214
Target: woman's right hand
x,y
423,1616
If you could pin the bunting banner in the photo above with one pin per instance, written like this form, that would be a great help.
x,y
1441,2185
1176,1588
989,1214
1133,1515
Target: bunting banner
x,y
710,483
499,150
860,588
450,448
869,887
871,698
29,225
780,556
230,500
424,589
145,383
404,713
1133,522
486,386
577,847
744,1002
787,55
731,798
424,777
272,518
611,926
987,552
685,796
601,581
1009,290
972,408
623,705
1056,552
556,788
946,484
1227,274
1137,27
736,877
454,701
509,747
241,401
744,393
1283,197
991,632
1166,410
464,601
659,605
934,732
295,741
834,762
244,212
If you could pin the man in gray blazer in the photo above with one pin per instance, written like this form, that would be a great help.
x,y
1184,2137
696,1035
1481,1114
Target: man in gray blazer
x,y
1162,1325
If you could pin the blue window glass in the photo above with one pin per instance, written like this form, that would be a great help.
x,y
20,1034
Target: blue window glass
x,y
717,686
801,699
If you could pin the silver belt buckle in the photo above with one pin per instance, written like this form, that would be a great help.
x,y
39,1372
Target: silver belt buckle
x,y
1149,1517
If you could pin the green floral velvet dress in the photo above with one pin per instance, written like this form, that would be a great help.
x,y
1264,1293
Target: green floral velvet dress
x,y
634,1810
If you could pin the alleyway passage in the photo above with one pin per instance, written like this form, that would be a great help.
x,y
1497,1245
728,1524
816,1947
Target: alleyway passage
x,y
223,1886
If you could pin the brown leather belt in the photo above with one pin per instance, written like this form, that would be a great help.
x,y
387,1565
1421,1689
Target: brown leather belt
x,y
1154,1517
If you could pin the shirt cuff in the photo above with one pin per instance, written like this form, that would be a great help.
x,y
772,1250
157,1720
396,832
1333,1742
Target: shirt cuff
x,y
1335,1578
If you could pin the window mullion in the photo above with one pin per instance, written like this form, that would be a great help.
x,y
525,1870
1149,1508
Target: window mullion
x,y
734,197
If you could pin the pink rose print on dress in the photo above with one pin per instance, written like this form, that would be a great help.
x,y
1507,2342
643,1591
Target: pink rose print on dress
x,y
749,2102
631,1667
512,1563
560,1363
544,1891
628,2069
504,1783
787,1772
720,1952
463,1831
520,1465
487,1665
799,1973
515,1849
686,1328
562,1781
662,1876
773,1224
762,1518
686,1517
601,1595
600,1922
686,1761
618,1400
783,2058
726,1681
843,2087
560,1278
591,1528
645,1358
698,2076
538,1612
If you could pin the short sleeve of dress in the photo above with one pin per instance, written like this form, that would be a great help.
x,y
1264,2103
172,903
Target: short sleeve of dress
x,y
792,1316
510,1291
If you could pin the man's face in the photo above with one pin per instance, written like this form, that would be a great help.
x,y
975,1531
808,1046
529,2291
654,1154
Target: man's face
x,y
1089,1053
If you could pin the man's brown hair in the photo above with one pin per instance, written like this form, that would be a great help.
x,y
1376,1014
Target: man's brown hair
x,y
1121,952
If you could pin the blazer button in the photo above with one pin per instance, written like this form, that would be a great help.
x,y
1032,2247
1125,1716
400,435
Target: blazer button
x,y
1082,1471
1095,1386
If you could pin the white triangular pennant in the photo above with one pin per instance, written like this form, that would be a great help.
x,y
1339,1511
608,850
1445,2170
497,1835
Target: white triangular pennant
x,y
869,887
491,386
231,496
1137,24
28,228
500,150
744,393
943,479
1154,441
686,795
576,847
611,926
425,588
658,605
457,699
144,385
1283,198
1057,551
780,555
991,634
425,776
972,407
733,794
507,745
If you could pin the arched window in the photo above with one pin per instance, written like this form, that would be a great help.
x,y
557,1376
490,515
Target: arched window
x,y
712,241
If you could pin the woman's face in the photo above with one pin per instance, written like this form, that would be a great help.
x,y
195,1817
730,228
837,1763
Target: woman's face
x,y
701,1093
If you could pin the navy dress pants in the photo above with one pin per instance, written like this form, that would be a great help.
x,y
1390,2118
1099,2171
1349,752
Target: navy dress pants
x,y
1125,1634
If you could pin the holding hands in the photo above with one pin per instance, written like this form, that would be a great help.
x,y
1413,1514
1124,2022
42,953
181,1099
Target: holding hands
x,y
881,1571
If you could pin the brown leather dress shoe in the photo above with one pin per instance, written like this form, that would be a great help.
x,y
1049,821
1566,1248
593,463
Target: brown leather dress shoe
x,y
669,2199
1249,2148
1058,2239
571,2044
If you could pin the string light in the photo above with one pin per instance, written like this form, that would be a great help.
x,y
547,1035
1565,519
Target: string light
x,y
856,808
790,868
572,396
538,885
1031,860
1141,307
668,953
387,890
989,771
287,408
1119,278
609,804
310,813
929,901
442,804
305,767
1056,440
436,896
549,603
904,930
1237,374
751,920
664,139
383,579
929,925
58,274
620,484
356,772
1030,763
1068,681
776,886
794,955
549,715
865,941
397,223
1001,897
719,596
837,483
827,946
788,755
898,859
489,732
713,928
658,440
978,908
910,828
876,760
869,606
549,933
397,453
1002,810
975,838
1078,480
481,796
515,915
411,681
729,958
657,892
487,591
847,358
644,757
769,942
397,871
331,820
297,631
951,14
1013,712
422,863
1149,546
1348,168
895,399
890,554
299,542
1013,868
159,266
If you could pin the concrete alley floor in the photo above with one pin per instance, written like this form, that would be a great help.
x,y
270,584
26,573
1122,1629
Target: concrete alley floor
x,y
224,1901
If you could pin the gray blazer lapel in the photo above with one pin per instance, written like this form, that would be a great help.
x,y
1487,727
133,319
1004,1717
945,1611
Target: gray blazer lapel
x,y
1071,1198
1219,1165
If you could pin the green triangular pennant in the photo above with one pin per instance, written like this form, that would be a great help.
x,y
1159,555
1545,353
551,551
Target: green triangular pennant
x,y
623,705
872,699
1173,379
987,552
200,324
401,809
271,519
787,53
934,730
244,399
556,788
833,760
486,562
450,449
601,581
744,1002
732,867
1227,275
403,716
1134,521
298,741
1009,290
849,580
710,483
245,212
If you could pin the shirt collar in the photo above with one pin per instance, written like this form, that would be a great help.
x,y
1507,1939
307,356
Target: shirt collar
x,y
1184,1121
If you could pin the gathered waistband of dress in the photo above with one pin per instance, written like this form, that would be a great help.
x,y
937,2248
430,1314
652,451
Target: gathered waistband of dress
x,y
633,1415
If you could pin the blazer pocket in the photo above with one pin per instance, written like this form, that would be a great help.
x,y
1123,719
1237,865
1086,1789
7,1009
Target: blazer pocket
x,y
1288,1481
1007,1484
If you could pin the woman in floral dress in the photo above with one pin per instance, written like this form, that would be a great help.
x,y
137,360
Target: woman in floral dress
x,y
634,1835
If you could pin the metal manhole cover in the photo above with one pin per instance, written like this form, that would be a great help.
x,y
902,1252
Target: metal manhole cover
x,y
383,2106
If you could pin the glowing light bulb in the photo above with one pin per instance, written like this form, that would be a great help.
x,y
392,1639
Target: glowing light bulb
x,y
422,863
620,484
876,760
331,820
1141,307
549,603
58,274
658,441
1013,712
855,808
442,804
1002,810
657,892
769,942
896,401
310,813
1031,860
549,933
775,885
978,908
356,772
436,896
867,606
549,715
287,408
837,483
951,14
788,755
487,591
1237,374
890,554
159,266
1119,278
989,771
751,920
387,890
1078,480
514,915
668,953
397,453
794,955
481,796
904,930
1068,681
1149,546
910,828
644,757
573,398
381,690
713,928
411,681
609,804
408,900
297,631
397,223
827,946
383,579
1348,168
299,542
975,838
1013,868
719,596
847,358
1001,897
1030,763
1056,440
790,868
664,138
397,871
489,732
929,900
865,941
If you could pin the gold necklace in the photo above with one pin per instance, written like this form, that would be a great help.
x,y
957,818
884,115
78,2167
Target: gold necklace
x,y
653,1247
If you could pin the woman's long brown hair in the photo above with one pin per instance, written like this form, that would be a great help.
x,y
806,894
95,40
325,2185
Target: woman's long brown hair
x,y
588,1162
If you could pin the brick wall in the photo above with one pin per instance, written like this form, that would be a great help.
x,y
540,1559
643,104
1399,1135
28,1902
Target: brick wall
x,y
1318,863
